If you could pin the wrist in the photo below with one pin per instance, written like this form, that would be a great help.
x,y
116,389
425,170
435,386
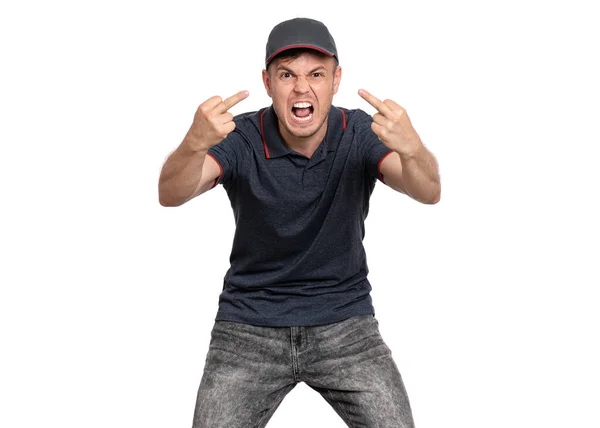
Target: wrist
x,y
195,143
411,150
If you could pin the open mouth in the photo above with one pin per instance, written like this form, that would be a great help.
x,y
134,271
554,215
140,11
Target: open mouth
x,y
302,112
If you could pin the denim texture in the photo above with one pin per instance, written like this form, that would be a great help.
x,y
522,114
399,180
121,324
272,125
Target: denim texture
x,y
250,369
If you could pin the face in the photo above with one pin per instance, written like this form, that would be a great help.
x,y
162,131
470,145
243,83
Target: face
x,y
302,90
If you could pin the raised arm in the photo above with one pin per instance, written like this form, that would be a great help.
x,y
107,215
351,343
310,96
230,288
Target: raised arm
x,y
188,171
411,169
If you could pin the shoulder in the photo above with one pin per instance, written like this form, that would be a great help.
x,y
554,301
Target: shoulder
x,y
246,133
359,121
249,122
245,138
356,117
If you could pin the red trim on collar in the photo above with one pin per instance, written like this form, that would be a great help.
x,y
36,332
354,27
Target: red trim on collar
x,y
262,134
264,139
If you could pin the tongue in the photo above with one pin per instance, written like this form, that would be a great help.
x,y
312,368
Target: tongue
x,y
302,112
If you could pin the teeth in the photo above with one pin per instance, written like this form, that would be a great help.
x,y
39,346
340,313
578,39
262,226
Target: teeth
x,y
302,105
303,119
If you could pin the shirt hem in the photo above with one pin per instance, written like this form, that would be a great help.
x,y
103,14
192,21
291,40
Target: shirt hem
x,y
290,322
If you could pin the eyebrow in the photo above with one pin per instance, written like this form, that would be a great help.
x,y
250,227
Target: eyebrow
x,y
284,68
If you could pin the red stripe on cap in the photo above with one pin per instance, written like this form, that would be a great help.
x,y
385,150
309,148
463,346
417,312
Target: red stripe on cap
x,y
379,165
298,47
262,134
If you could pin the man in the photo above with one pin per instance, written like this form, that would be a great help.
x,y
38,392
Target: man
x,y
295,305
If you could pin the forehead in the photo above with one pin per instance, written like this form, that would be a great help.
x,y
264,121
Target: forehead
x,y
304,60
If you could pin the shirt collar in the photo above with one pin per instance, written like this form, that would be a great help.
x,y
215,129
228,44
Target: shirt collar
x,y
273,142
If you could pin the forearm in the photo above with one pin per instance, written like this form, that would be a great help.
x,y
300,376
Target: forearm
x,y
420,175
181,173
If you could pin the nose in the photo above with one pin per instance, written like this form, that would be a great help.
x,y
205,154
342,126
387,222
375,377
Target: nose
x,y
302,86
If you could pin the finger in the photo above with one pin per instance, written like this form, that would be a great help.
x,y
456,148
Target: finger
x,y
378,130
211,103
393,105
231,101
225,129
380,119
375,102
224,118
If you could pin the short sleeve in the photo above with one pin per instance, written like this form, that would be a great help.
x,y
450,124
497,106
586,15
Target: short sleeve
x,y
230,154
373,150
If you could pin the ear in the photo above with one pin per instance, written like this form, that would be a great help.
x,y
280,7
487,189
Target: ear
x,y
267,81
337,77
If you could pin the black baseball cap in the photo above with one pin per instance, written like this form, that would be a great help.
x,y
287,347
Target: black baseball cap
x,y
300,33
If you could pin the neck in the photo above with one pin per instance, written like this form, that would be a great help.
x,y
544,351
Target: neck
x,y
304,145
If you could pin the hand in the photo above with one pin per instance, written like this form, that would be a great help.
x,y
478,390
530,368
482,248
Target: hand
x,y
392,125
213,122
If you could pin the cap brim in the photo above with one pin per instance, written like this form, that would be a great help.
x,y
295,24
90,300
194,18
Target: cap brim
x,y
300,46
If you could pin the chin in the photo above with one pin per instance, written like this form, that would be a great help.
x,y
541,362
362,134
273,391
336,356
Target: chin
x,y
303,132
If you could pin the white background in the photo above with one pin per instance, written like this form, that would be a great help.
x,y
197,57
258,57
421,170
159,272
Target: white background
x,y
487,299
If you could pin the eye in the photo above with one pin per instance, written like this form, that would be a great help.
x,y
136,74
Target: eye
x,y
317,74
286,75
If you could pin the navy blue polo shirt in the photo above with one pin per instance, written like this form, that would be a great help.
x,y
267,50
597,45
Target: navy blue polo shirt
x,y
297,257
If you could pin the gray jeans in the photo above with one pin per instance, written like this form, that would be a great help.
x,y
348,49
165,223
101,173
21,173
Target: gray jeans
x,y
250,369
